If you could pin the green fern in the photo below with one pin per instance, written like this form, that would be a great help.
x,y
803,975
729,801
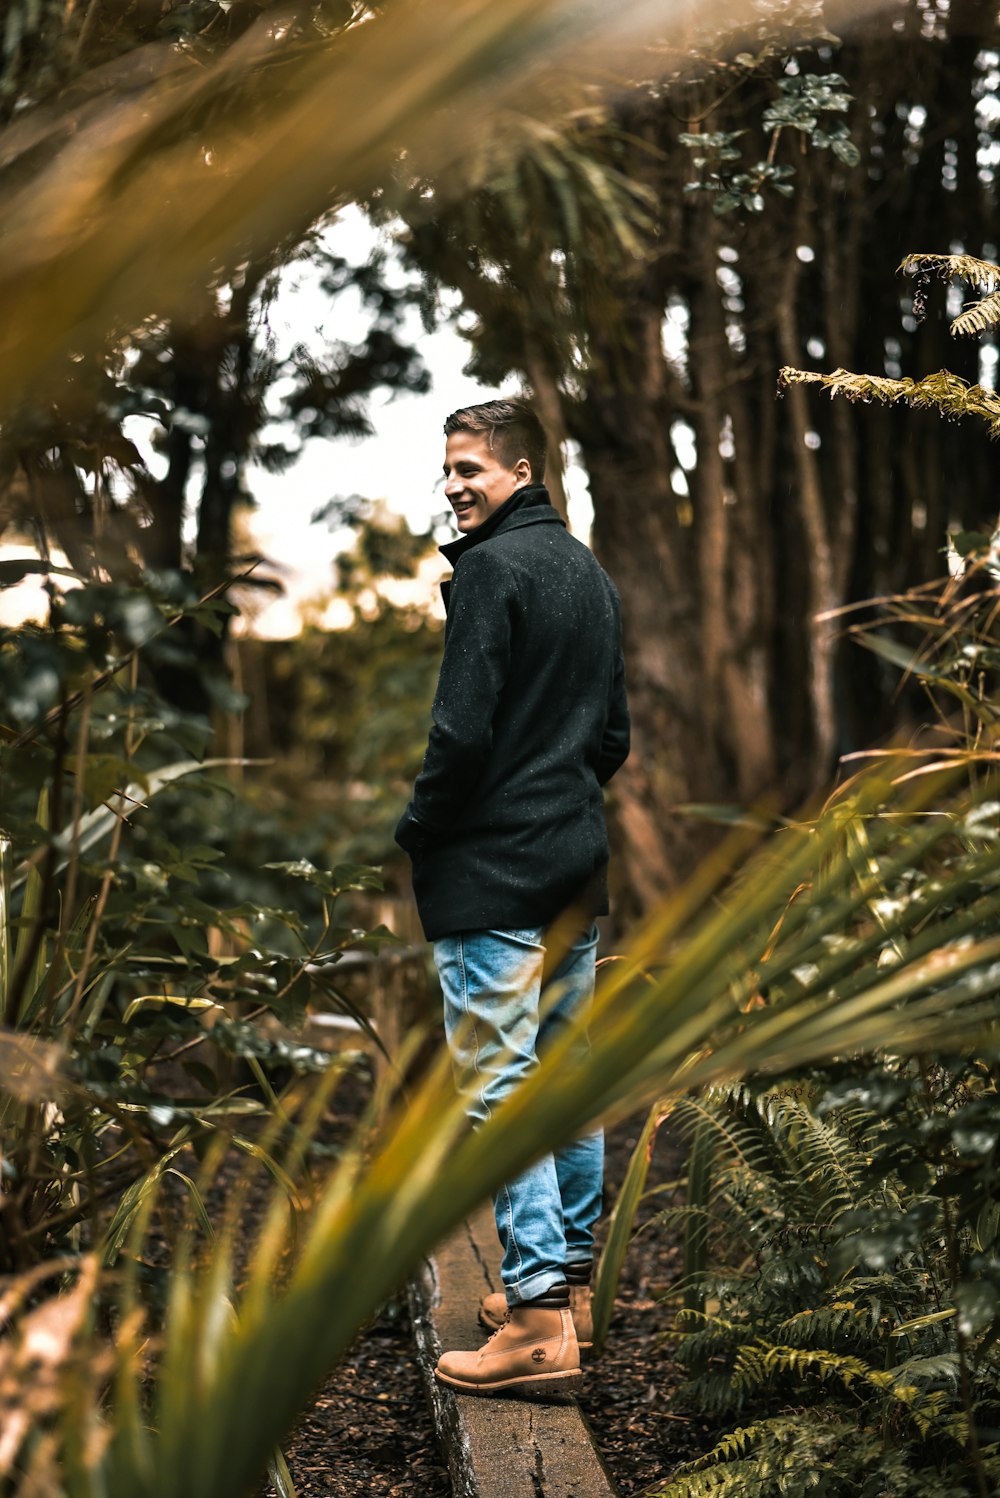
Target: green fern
x,y
852,1215
804,1188
816,1451
843,1322
931,1411
944,392
824,1161
982,274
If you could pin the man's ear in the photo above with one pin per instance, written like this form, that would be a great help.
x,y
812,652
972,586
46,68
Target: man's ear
x,y
522,470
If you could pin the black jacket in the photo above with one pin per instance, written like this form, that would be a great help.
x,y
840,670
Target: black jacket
x,y
506,824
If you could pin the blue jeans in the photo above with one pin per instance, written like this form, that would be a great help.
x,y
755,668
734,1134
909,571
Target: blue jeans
x,y
491,981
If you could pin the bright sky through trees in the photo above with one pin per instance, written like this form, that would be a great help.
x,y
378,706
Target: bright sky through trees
x,y
400,463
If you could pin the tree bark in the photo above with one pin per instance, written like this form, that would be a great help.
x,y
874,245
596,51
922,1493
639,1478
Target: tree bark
x,y
645,540
549,409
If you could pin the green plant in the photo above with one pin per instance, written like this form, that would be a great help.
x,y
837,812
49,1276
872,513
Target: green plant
x,y
802,98
841,1295
128,967
944,392
222,1391
856,1285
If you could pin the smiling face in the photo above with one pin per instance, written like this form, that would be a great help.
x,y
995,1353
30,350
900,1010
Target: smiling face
x,y
477,482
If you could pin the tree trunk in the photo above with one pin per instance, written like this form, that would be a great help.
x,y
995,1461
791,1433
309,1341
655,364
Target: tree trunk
x,y
548,406
645,540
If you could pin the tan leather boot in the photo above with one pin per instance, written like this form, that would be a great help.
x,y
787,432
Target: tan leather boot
x,y
493,1313
535,1349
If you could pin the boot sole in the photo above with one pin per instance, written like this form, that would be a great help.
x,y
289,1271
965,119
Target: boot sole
x,y
494,1326
525,1385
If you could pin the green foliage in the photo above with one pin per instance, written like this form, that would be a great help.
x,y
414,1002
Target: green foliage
x,y
203,1416
843,1299
944,392
621,1222
853,1224
802,99
817,1452
139,955
845,1222
733,189
529,245
347,711
219,394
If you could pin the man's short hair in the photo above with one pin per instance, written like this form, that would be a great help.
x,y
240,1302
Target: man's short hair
x,y
512,429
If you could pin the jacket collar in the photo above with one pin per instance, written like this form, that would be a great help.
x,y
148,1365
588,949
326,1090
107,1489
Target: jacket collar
x,y
528,506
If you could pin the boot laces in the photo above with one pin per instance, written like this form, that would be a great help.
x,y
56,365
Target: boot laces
x,y
499,1329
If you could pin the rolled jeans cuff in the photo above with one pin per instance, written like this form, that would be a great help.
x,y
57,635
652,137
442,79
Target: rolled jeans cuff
x,y
536,1284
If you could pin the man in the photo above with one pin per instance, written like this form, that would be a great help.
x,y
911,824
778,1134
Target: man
x,y
506,834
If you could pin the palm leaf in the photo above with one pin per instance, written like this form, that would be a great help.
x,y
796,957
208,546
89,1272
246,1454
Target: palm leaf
x,y
621,1222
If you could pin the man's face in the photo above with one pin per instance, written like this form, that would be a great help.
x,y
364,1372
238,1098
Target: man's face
x,y
476,481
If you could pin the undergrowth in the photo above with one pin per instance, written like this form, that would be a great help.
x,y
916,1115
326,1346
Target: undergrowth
x,y
850,1321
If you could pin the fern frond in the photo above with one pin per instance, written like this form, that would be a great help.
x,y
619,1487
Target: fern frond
x,y
759,1152
861,1127
944,392
671,1218
785,1454
756,1365
791,1454
944,1366
931,1413
822,1157
981,273
712,1110
978,316
705,1323
735,1444
794,1171
844,1320
741,1480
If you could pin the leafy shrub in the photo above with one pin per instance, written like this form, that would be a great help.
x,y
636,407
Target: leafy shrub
x,y
853,1315
128,932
